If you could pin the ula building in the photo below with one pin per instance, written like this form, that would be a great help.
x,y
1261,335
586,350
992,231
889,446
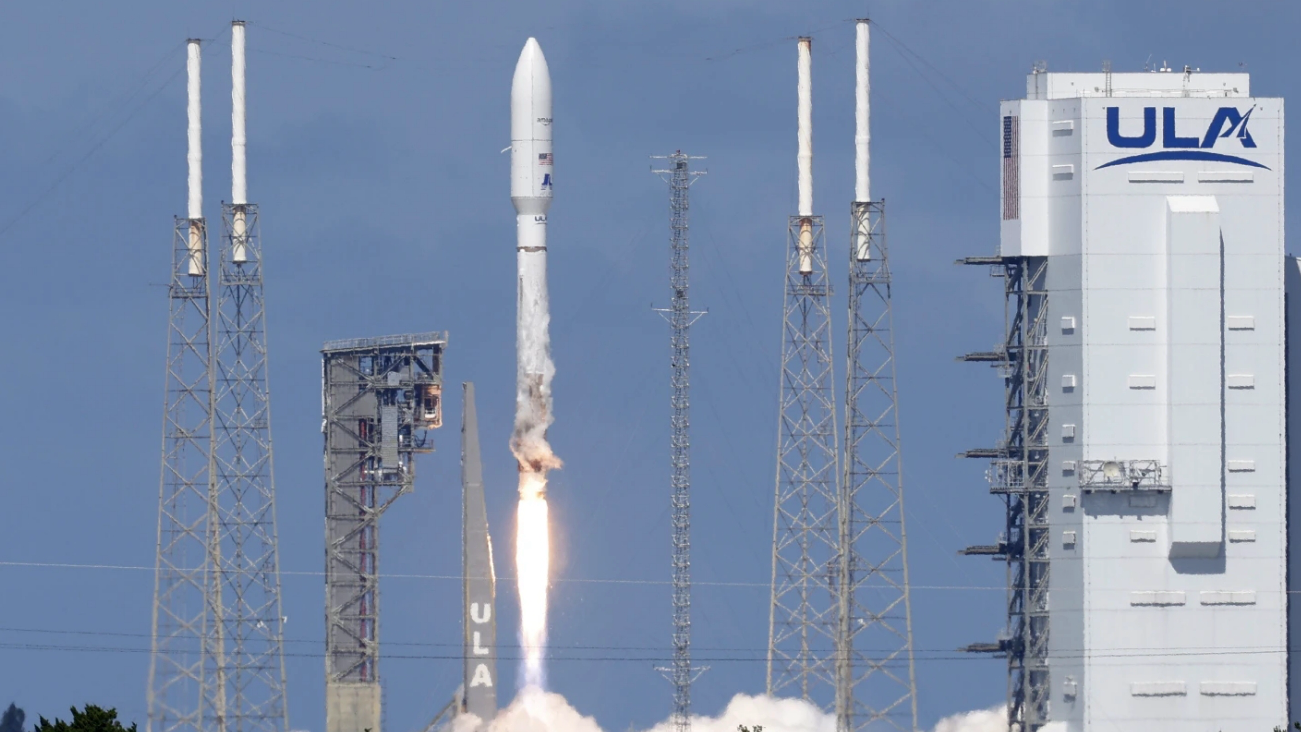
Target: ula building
x,y
1146,362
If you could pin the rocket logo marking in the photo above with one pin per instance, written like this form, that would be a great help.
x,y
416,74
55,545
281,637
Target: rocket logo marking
x,y
1227,123
479,650
546,181
474,613
481,677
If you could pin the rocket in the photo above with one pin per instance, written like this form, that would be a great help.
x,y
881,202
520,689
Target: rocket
x,y
530,192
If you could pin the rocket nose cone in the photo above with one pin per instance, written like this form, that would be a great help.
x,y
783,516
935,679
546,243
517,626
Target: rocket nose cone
x,y
532,77
530,91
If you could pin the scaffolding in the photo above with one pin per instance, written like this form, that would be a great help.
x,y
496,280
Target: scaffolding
x,y
680,317
380,396
1019,474
875,679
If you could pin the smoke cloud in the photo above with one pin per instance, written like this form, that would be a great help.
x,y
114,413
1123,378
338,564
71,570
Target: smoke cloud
x,y
535,710
533,387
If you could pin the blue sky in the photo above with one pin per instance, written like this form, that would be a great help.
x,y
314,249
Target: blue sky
x,y
385,209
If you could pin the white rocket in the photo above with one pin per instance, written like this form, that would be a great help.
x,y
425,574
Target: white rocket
x,y
530,192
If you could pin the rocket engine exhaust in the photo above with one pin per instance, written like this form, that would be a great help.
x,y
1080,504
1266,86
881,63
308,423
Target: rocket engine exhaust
x,y
530,193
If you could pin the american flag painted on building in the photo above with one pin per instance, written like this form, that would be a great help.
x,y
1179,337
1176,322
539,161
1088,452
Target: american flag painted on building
x,y
1011,168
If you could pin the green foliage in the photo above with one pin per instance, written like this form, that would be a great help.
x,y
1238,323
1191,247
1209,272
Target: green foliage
x,y
90,719
12,720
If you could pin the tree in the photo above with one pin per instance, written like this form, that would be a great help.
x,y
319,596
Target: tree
x,y
12,720
90,719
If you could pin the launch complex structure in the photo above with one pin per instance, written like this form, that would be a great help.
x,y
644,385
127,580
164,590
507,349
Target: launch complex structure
x,y
840,624
217,657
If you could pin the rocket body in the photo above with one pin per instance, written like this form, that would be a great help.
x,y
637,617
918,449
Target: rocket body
x,y
530,193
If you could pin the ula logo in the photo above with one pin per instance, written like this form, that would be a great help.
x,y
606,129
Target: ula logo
x,y
1227,123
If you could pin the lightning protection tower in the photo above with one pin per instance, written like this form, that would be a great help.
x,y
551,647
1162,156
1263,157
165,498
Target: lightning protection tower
x,y
680,316
380,396
875,681
802,620
248,562
185,664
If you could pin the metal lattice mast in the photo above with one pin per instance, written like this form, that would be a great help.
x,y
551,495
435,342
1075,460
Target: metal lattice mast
x,y
249,568
875,679
185,669
803,616
680,317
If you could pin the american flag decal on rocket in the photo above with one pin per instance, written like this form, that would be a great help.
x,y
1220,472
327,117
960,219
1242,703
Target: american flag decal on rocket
x,y
544,158
1011,168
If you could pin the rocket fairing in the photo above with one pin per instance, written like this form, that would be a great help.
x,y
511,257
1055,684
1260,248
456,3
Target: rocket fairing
x,y
530,193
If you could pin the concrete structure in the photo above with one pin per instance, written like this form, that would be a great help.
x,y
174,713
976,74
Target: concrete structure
x,y
1145,460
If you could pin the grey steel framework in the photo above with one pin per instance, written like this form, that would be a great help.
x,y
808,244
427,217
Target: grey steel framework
x,y
185,663
803,617
380,396
875,681
1019,474
248,566
680,316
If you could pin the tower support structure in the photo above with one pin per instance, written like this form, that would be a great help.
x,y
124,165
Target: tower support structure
x,y
380,397
680,316
186,686
876,685
875,678
802,623
249,563
802,620
182,691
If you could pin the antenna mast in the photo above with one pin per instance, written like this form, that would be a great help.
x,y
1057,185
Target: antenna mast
x,y
875,680
680,317
249,564
801,641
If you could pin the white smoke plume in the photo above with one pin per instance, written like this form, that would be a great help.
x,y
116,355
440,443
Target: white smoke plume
x,y
993,719
533,386
540,711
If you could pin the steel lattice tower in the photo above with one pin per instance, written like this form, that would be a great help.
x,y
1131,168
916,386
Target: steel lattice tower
x,y
249,561
248,565
182,611
186,667
680,316
875,679
875,676
803,620
380,398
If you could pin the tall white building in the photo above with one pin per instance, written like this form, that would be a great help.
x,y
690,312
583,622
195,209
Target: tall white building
x,y
1145,463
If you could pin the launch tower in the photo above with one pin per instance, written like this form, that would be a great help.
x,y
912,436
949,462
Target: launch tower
x,y
380,397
